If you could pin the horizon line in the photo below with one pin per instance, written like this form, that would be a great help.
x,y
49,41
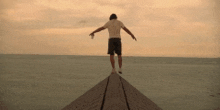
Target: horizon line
x,y
108,55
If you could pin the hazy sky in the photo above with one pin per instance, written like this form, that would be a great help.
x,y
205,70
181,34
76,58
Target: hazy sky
x,y
173,28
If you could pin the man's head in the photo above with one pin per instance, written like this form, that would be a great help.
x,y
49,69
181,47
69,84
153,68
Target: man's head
x,y
113,16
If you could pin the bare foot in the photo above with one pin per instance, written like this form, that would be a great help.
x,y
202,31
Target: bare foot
x,y
120,70
113,71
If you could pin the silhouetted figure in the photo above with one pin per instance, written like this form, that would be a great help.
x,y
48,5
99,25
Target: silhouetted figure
x,y
114,44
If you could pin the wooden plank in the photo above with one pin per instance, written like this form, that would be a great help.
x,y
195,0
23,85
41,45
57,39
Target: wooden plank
x,y
91,100
115,98
113,93
136,100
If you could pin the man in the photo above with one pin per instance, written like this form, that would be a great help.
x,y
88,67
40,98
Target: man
x,y
114,43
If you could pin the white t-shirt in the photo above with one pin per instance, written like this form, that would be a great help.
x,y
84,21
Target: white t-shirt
x,y
114,26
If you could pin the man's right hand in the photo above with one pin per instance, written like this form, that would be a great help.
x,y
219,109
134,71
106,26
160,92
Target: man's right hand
x,y
92,35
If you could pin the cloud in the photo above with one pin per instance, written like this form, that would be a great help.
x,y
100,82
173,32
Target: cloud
x,y
176,3
20,10
59,31
158,24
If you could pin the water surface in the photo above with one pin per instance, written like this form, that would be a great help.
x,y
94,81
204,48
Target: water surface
x,y
50,82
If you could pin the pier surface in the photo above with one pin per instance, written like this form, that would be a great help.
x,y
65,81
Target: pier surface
x,y
113,93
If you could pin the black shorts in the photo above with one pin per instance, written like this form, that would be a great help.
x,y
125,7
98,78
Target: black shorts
x,y
114,46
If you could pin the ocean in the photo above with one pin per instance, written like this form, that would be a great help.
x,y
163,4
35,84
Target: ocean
x,y
50,82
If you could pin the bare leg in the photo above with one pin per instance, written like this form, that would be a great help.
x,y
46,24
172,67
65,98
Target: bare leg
x,y
112,61
113,64
120,64
119,61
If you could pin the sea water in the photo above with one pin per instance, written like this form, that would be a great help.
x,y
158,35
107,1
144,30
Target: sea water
x,y
50,82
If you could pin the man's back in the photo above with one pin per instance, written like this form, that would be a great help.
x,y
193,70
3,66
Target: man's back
x,y
114,26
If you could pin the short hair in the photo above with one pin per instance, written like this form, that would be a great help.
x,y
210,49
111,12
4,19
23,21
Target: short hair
x,y
113,16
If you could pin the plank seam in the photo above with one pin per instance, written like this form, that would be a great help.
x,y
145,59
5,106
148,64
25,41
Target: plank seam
x,y
103,101
125,95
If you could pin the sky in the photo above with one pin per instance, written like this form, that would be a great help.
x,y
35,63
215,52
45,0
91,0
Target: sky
x,y
163,28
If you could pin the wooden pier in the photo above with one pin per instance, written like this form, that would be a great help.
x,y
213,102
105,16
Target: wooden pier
x,y
113,93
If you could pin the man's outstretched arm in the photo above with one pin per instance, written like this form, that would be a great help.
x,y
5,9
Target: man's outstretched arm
x,y
97,30
129,32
